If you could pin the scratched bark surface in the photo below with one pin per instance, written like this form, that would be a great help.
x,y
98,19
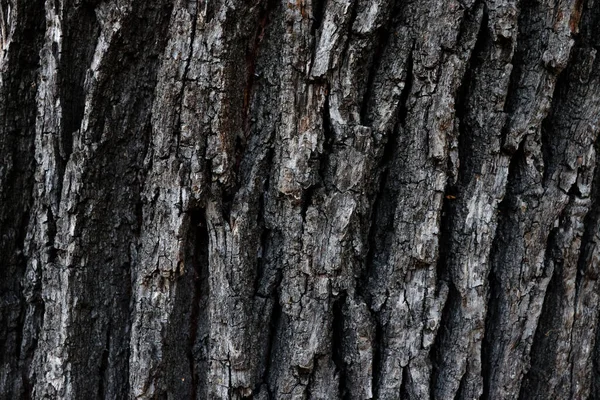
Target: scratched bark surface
x,y
299,199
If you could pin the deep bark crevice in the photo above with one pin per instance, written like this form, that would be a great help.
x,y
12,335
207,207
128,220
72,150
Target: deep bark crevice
x,y
337,343
80,36
382,38
198,254
318,13
275,321
466,140
104,368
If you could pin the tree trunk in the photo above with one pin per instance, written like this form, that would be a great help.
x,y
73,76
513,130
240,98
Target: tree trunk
x,y
305,199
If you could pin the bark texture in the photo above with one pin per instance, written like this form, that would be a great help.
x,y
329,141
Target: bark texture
x,y
299,199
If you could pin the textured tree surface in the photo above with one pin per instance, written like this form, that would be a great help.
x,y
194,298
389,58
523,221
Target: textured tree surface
x,y
299,199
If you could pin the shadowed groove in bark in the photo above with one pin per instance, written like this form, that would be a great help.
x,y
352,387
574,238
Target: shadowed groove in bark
x,y
81,32
466,142
404,386
198,248
381,43
103,368
266,234
318,12
337,343
274,321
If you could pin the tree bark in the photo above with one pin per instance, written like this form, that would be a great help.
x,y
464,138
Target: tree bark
x,y
299,199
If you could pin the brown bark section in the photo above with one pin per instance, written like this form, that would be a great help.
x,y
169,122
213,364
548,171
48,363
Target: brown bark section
x,y
319,199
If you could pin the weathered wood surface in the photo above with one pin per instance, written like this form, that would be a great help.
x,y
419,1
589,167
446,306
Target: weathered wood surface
x,y
299,199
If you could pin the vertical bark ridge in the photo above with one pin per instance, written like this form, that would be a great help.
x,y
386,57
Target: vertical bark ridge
x,y
570,150
472,215
100,183
22,38
409,315
159,255
200,155
534,203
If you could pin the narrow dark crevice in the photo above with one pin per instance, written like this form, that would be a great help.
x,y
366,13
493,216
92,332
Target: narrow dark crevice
x,y
265,242
252,55
27,357
127,307
492,310
102,374
377,356
567,88
404,394
469,159
470,20
81,32
323,163
452,189
462,385
337,343
21,262
551,139
265,232
275,324
512,102
318,13
591,223
595,389
446,229
381,41
307,198
403,102
328,140
198,314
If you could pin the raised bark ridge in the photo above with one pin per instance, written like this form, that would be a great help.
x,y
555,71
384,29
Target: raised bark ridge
x,y
319,199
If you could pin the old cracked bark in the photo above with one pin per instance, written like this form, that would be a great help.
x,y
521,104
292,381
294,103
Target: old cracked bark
x,y
299,199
